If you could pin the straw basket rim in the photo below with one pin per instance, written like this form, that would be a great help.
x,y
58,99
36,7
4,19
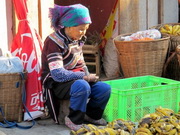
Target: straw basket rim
x,y
2,74
24,74
164,37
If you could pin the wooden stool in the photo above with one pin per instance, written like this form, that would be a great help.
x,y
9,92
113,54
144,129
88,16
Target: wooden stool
x,y
92,57
63,110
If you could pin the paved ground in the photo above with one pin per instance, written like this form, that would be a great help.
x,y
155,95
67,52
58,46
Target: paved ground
x,y
42,127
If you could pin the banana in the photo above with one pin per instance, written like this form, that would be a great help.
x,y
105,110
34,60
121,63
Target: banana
x,y
141,133
173,122
92,127
90,133
178,32
164,111
114,125
122,132
168,110
109,124
169,29
97,132
129,125
177,115
145,130
81,131
178,128
87,127
173,132
175,29
166,29
101,131
160,115
162,30
130,128
111,131
144,125
73,132
153,116
158,130
152,129
169,127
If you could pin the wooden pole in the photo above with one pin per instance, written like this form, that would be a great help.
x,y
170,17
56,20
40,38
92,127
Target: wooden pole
x,y
44,22
160,11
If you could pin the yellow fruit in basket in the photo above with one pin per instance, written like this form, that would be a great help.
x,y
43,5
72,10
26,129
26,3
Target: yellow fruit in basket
x,y
162,30
176,30
166,29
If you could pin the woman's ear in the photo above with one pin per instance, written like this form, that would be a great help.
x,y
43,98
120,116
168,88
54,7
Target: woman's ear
x,y
67,30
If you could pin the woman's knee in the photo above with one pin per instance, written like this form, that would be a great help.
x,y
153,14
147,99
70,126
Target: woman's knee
x,y
80,87
105,88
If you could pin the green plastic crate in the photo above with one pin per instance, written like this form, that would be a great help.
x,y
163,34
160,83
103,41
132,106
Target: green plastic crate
x,y
132,98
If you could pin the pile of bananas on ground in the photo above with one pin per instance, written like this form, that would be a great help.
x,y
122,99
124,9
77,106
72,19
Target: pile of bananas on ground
x,y
162,122
116,127
170,29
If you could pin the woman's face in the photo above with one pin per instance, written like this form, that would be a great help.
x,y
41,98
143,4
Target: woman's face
x,y
77,32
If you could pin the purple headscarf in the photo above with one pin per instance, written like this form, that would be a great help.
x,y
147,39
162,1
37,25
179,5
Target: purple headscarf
x,y
69,16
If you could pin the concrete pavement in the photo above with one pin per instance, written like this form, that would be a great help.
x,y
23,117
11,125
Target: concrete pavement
x,y
42,127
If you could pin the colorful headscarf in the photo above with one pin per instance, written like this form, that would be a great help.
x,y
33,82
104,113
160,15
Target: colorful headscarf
x,y
68,16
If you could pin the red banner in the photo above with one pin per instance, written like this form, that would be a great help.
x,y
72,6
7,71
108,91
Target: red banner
x,y
28,46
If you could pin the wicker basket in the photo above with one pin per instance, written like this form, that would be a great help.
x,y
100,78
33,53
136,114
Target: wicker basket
x,y
139,58
172,69
11,96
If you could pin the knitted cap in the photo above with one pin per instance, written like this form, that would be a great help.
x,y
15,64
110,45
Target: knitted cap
x,y
69,16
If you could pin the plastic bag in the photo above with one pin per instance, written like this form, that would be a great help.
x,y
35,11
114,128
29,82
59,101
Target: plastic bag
x,y
110,60
10,65
152,33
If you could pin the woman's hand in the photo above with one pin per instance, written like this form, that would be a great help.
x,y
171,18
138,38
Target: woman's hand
x,y
91,78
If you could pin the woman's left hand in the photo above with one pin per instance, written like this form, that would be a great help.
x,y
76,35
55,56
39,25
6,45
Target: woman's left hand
x,y
91,78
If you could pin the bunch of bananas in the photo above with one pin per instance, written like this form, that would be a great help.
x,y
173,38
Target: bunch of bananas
x,y
162,122
91,129
116,127
169,29
123,126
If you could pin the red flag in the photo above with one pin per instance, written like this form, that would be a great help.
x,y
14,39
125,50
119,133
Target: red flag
x,y
27,45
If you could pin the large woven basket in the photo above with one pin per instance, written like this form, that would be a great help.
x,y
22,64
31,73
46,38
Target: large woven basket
x,y
139,58
172,69
11,96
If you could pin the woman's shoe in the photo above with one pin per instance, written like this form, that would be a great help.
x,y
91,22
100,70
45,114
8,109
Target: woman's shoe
x,y
101,121
71,125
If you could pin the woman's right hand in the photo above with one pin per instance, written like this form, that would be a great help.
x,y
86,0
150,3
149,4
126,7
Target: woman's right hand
x,y
91,78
